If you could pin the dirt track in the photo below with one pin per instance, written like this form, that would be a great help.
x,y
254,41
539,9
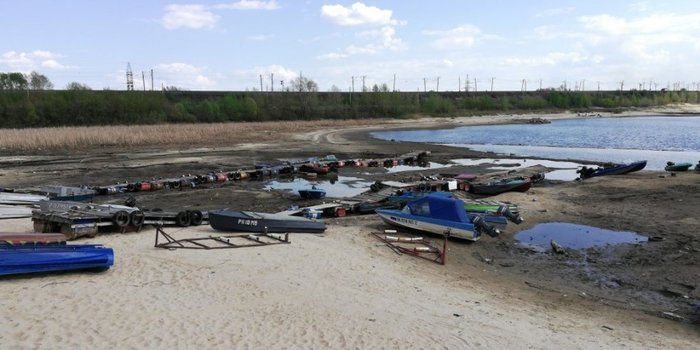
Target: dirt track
x,y
658,278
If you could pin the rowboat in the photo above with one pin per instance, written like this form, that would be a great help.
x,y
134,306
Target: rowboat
x,y
22,259
671,166
439,215
615,169
500,186
249,221
312,193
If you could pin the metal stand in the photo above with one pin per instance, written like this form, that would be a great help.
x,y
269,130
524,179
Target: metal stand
x,y
415,245
220,242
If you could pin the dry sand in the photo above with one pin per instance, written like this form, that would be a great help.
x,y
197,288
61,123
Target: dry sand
x,y
340,290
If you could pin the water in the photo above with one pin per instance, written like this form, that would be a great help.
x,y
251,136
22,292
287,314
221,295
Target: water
x,y
573,236
344,186
566,171
620,140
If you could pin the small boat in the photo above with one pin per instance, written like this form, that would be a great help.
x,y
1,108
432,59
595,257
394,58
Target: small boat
x,y
615,169
671,166
316,168
500,186
21,259
12,238
249,221
507,211
312,193
437,214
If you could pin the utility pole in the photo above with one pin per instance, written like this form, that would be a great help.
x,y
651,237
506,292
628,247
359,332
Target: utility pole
x,y
523,85
466,84
272,84
540,84
492,84
424,86
151,79
364,88
393,87
583,85
622,85
129,78
598,86
301,85
261,88
143,78
437,85
475,86
459,83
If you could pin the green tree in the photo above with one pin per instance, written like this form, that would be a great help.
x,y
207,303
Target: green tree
x,y
39,82
77,86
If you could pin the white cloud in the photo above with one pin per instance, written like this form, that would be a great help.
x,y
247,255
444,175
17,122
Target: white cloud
x,y
28,61
381,40
645,40
463,36
357,14
184,76
188,16
249,5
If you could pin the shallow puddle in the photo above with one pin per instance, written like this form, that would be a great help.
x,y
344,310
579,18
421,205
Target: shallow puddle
x,y
430,165
343,186
573,236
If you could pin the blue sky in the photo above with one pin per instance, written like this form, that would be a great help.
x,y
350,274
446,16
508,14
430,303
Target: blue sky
x,y
228,45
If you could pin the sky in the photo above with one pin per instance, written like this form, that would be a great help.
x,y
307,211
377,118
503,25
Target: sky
x,y
409,45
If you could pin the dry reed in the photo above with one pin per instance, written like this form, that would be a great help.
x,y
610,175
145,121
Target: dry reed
x,y
219,134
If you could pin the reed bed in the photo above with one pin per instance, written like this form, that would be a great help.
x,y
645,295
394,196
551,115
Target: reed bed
x,y
219,134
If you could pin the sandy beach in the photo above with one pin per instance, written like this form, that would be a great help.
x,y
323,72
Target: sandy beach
x,y
345,289
340,290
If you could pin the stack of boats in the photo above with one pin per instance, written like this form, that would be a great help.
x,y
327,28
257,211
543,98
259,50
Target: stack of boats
x,y
23,253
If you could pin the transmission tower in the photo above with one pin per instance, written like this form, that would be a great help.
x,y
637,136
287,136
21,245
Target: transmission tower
x,y
129,78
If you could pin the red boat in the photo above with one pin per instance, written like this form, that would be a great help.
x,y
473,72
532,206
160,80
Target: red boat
x,y
31,238
317,168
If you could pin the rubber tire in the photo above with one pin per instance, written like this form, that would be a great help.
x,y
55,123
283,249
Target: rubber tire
x,y
121,218
137,218
182,219
196,217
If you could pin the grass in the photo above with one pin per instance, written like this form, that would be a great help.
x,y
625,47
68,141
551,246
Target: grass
x,y
219,134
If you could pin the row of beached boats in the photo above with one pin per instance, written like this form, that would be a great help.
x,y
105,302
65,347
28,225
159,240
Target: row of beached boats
x,y
625,168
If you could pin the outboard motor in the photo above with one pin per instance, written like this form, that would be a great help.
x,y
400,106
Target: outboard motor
x,y
505,211
482,226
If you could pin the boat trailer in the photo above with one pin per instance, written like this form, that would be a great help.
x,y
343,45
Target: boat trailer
x,y
414,245
240,240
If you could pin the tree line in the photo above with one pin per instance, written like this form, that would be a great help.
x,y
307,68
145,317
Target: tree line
x,y
29,103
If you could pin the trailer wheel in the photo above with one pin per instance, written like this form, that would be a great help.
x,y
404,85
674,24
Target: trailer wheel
x,y
182,219
121,218
196,217
137,218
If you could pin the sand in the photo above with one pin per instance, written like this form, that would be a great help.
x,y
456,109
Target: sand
x,y
340,290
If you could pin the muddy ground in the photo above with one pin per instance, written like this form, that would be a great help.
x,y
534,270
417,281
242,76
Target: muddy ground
x,y
659,277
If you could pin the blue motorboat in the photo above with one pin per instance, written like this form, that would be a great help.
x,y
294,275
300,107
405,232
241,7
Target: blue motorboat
x,y
437,214
22,259
312,193
615,169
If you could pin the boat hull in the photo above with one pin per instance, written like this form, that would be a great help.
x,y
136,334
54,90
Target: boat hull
x,y
615,170
436,226
22,259
678,167
312,194
494,188
244,221
32,238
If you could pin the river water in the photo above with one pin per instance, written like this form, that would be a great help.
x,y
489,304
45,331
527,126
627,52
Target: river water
x,y
657,139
